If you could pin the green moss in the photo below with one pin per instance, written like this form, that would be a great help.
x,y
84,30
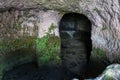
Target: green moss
x,y
98,52
52,27
104,28
107,77
48,48
96,9
15,52
14,44
17,25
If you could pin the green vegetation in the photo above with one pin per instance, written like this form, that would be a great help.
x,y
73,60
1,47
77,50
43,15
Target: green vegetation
x,y
96,9
108,78
14,44
17,25
98,52
104,28
15,50
52,27
9,49
48,48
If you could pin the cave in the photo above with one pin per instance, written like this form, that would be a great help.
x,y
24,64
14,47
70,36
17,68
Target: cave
x,y
76,44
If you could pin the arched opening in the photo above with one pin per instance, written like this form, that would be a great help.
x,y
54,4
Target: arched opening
x,y
76,45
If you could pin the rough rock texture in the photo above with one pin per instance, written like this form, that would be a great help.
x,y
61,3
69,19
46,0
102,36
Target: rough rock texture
x,y
47,18
112,72
48,44
18,31
20,38
104,15
16,24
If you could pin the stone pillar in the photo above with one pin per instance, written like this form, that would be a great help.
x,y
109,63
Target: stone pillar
x,y
48,42
47,18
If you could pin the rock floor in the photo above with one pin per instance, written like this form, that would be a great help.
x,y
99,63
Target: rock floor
x,y
30,71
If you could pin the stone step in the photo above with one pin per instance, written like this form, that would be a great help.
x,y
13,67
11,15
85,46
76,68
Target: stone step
x,y
64,35
75,39
79,40
73,51
73,44
71,57
78,35
73,48
71,35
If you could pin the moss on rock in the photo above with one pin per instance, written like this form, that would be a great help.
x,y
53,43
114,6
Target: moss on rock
x,y
14,44
48,48
16,51
98,52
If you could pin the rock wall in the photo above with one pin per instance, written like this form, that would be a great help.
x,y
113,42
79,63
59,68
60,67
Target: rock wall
x,y
22,29
111,72
104,15
47,18
28,35
48,44
18,31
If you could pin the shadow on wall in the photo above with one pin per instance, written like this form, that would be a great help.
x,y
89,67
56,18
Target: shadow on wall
x,y
76,44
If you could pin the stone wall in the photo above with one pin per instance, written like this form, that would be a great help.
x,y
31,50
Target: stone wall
x,y
28,35
104,15
48,42
18,31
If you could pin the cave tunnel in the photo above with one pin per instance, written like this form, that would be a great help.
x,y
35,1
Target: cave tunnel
x,y
76,44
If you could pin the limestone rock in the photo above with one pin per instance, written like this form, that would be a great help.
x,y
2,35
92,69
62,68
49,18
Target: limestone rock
x,y
103,14
112,72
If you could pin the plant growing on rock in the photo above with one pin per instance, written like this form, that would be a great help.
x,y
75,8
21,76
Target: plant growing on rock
x,y
48,47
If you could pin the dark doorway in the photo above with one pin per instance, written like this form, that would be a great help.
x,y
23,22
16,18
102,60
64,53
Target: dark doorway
x,y
75,34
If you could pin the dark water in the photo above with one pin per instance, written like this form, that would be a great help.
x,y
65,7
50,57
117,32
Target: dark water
x,y
30,71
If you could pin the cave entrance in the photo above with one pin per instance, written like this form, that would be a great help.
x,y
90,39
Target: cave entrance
x,y
75,34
